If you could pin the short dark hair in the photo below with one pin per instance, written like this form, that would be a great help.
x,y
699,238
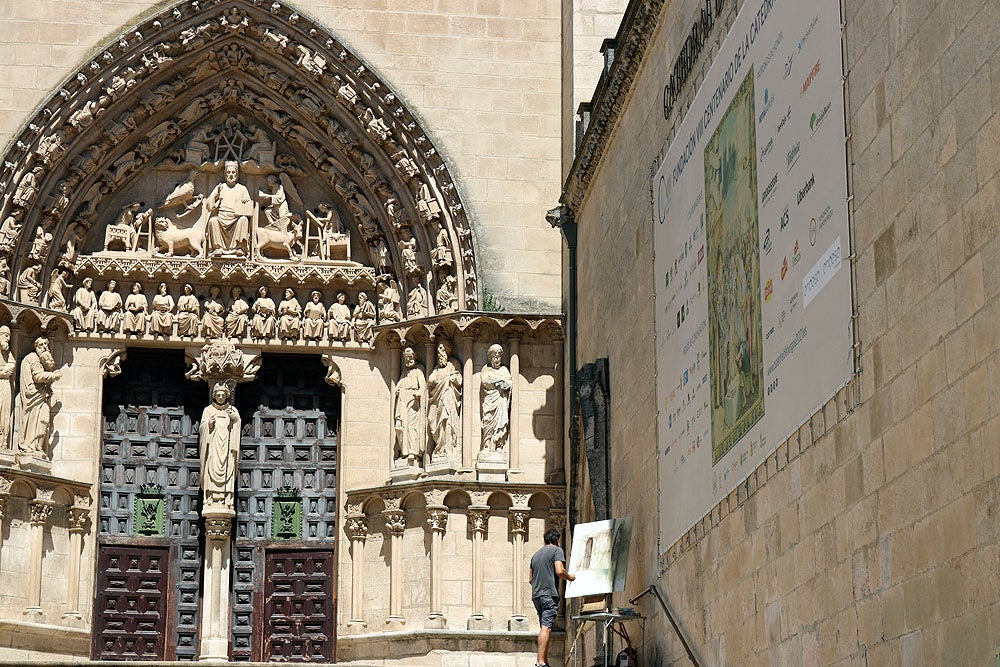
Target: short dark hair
x,y
552,537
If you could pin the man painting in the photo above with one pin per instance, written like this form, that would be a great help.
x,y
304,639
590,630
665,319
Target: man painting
x,y
37,375
547,566
229,221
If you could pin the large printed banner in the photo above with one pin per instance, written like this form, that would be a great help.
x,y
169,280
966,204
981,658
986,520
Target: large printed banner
x,y
753,293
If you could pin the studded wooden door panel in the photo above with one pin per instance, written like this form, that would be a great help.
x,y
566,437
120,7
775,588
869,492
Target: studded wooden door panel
x,y
150,479
298,606
131,610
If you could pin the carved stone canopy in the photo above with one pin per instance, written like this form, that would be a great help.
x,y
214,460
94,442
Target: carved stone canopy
x,y
115,173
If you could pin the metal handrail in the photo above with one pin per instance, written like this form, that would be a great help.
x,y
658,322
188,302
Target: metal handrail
x,y
666,610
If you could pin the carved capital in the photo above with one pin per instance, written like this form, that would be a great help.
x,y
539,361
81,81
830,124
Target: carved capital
x,y
220,360
395,521
437,519
41,510
557,519
77,519
520,499
218,528
518,520
392,501
357,527
478,519
479,498
5,483
435,497
3,505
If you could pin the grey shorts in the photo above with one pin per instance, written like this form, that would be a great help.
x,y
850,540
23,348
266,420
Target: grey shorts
x,y
547,606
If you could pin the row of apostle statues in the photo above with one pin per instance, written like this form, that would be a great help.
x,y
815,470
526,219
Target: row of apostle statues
x,y
427,409
260,319
34,402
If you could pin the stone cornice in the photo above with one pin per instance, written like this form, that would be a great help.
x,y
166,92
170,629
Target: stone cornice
x,y
634,35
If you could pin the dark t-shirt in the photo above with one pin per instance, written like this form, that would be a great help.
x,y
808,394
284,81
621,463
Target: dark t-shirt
x,y
543,570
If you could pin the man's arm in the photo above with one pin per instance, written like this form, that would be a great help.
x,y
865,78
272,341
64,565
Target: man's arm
x,y
562,573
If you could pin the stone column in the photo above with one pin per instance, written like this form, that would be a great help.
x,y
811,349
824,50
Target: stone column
x,y
478,517
395,523
77,519
357,529
468,405
5,484
518,519
41,510
215,624
437,520
558,475
514,467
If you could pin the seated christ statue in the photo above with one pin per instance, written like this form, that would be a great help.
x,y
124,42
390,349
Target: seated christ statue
x,y
230,208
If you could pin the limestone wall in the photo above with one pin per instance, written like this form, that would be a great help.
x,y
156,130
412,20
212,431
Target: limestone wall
x,y
483,77
877,542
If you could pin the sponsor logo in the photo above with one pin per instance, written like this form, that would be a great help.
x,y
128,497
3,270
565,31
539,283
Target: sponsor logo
x,y
769,190
806,188
766,149
784,119
816,119
805,37
784,268
796,255
768,290
767,242
784,218
812,232
810,77
768,103
793,155
770,54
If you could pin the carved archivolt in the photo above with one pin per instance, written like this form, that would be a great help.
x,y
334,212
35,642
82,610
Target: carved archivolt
x,y
125,175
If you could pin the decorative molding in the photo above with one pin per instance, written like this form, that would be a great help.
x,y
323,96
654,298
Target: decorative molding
x,y
634,36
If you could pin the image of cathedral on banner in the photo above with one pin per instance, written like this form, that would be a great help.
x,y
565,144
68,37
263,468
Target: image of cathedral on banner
x,y
734,299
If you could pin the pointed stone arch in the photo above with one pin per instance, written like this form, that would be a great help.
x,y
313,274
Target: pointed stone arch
x,y
141,99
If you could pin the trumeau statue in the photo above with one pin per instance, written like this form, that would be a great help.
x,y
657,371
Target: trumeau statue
x,y
444,389
219,438
37,375
496,383
7,368
410,412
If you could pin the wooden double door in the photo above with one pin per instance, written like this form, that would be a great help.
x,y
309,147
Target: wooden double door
x,y
151,545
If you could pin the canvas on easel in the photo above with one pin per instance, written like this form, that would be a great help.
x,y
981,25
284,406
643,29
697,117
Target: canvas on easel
x,y
599,558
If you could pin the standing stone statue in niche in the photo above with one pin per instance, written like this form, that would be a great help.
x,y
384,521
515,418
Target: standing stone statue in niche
x,y
289,316
136,314
213,322
339,319
236,320
497,383
263,323
109,309
7,368
188,313
230,207
219,437
38,372
444,416
85,307
410,412
314,317
161,319
364,319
